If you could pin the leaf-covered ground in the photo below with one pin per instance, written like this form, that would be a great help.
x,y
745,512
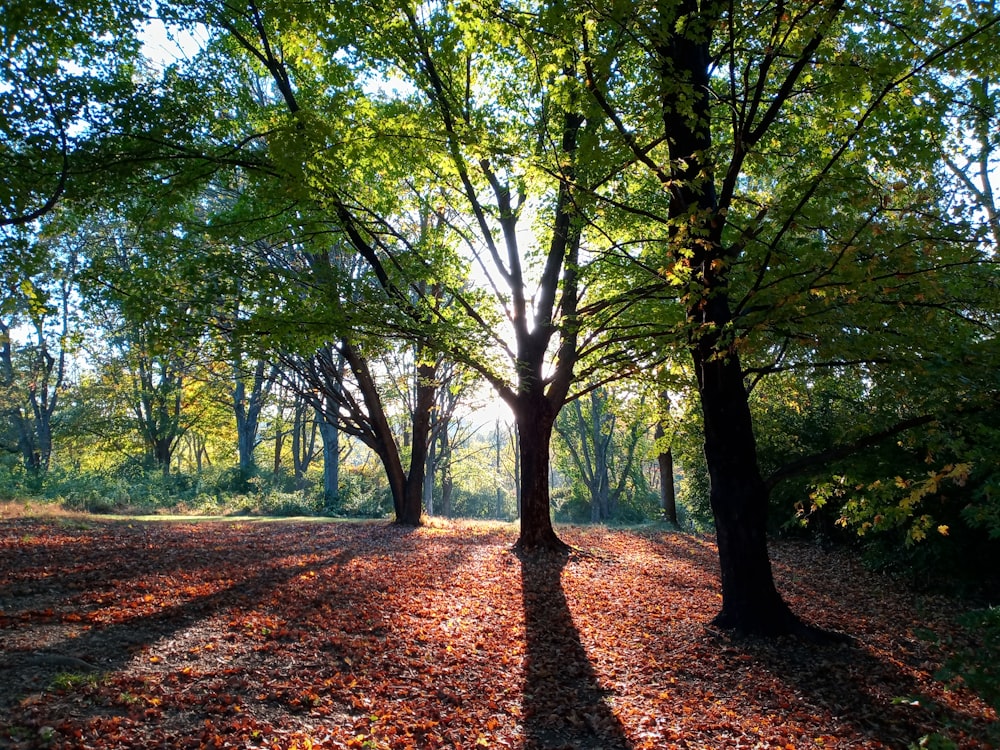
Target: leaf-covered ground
x,y
339,635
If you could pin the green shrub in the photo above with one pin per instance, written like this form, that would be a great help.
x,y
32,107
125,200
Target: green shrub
x,y
978,663
569,505
360,496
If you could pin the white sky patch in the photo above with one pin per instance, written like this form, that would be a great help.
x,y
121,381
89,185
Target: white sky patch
x,y
165,44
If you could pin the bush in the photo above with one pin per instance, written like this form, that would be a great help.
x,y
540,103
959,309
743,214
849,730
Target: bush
x,y
478,504
361,496
569,505
637,507
978,664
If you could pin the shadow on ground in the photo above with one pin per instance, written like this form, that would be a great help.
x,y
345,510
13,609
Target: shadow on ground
x,y
564,704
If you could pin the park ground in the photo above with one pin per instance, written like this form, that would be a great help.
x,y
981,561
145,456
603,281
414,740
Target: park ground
x,y
297,634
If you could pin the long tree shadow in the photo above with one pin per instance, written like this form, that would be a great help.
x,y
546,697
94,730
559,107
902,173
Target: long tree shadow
x,y
564,704
248,579
858,694
870,690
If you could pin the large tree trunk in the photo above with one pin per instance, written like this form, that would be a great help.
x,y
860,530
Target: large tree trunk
x,y
412,506
406,487
163,453
535,418
750,602
381,440
246,441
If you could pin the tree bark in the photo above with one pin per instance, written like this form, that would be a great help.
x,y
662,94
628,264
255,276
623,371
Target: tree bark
x,y
535,416
247,410
381,439
738,496
330,433
665,462
421,432
406,486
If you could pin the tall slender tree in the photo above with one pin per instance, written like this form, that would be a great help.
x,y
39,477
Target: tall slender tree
x,y
785,237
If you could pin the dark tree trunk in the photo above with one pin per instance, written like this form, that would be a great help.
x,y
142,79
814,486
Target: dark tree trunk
x,y
163,453
535,418
381,439
412,506
750,602
246,441
668,497
406,487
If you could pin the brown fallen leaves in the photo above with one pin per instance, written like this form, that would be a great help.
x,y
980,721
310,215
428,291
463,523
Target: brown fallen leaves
x,y
341,635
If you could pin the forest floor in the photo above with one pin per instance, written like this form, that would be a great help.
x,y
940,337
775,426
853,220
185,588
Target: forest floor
x,y
296,635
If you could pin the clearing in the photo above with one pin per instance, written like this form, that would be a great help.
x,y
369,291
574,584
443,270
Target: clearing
x,y
296,635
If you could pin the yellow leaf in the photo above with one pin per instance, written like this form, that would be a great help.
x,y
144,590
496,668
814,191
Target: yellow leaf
x,y
943,530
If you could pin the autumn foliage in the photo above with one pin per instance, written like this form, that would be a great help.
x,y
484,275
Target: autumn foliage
x,y
366,635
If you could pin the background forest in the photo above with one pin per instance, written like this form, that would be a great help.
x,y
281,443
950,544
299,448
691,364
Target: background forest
x,y
476,258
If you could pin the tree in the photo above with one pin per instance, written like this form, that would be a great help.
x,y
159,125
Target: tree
x,y
34,371
250,390
358,408
497,167
602,451
60,69
663,443
157,387
736,88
